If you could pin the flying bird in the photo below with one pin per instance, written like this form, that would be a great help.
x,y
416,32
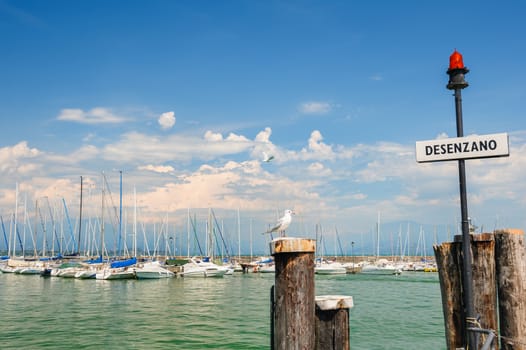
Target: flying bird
x,y
267,158
283,223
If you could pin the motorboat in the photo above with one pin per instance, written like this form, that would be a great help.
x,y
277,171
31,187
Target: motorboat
x,y
325,267
196,267
152,270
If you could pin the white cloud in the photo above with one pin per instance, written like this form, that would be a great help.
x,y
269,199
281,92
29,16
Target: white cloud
x,y
97,115
315,107
264,136
84,153
159,149
316,148
318,169
162,169
167,120
214,137
236,138
12,158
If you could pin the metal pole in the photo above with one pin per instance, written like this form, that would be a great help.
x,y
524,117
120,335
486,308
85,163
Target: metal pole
x,y
456,73
467,268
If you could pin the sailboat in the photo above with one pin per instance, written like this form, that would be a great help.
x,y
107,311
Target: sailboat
x,y
380,266
120,269
327,267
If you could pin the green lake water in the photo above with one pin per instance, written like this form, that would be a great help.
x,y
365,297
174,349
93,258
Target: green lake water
x,y
390,312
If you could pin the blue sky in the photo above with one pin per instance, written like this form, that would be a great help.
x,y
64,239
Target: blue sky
x,y
184,97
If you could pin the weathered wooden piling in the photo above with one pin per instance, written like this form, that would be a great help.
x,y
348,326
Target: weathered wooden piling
x,y
484,286
447,256
332,322
294,305
449,260
511,285
499,272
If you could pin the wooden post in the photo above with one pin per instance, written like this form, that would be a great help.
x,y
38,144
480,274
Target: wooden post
x,y
447,256
449,261
294,325
511,285
332,322
484,286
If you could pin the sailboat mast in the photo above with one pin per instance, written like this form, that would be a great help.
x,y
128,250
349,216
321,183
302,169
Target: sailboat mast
x,y
80,217
135,222
238,235
210,236
250,239
120,211
102,220
188,233
12,247
378,237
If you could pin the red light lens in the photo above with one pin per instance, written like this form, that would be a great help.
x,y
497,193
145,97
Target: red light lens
x,y
455,61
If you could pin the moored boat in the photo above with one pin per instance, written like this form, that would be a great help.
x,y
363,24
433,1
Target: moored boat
x,y
152,270
381,267
118,270
325,267
196,267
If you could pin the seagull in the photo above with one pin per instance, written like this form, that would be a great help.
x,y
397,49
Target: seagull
x,y
267,158
282,223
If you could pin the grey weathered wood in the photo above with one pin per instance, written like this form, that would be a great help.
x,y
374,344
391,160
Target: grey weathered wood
x,y
294,309
447,256
511,285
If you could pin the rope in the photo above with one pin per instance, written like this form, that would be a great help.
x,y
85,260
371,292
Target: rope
x,y
509,340
477,326
512,341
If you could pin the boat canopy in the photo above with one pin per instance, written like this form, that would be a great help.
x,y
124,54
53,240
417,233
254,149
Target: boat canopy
x,y
123,263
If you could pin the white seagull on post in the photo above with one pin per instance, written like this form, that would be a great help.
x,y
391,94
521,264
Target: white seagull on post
x,y
283,223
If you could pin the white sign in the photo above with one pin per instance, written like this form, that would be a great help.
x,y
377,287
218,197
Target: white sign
x,y
478,146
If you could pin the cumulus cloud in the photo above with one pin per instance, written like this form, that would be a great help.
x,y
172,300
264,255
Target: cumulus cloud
x,y
86,152
264,136
236,138
11,158
143,148
318,169
97,115
316,148
212,136
162,169
314,107
167,120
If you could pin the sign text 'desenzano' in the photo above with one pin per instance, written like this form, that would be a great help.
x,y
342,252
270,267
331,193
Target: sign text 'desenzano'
x,y
469,147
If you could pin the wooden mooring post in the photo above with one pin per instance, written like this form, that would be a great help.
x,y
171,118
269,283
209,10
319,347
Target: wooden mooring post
x,y
293,311
511,285
498,263
332,322
299,321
